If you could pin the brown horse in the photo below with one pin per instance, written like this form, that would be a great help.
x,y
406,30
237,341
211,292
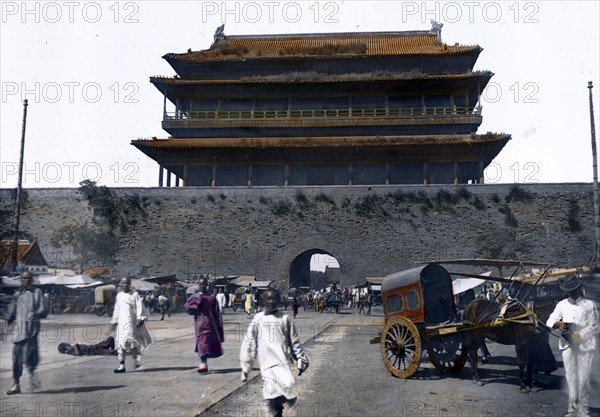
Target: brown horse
x,y
520,325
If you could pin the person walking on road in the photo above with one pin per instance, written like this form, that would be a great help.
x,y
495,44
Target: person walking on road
x,y
249,302
577,318
164,305
295,307
26,309
221,300
131,334
274,353
207,324
230,297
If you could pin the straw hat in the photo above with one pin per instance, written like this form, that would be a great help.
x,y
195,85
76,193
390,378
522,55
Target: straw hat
x,y
570,283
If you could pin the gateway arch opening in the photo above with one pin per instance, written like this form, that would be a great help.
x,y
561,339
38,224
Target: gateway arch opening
x,y
315,269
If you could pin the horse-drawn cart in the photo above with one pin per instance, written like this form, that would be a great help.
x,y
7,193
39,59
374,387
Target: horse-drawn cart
x,y
333,301
421,316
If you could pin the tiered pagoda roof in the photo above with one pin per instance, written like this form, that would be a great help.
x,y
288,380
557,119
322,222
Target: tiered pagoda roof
x,y
374,98
325,45
421,51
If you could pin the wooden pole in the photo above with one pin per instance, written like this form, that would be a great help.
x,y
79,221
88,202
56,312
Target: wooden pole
x,y
595,167
15,245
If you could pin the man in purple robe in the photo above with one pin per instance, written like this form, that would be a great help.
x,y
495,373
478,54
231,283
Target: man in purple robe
x,y
207,324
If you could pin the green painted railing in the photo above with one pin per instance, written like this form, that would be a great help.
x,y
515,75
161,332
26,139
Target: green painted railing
x,y
407,112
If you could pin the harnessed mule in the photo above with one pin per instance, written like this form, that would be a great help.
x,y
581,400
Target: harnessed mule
x,y
518,324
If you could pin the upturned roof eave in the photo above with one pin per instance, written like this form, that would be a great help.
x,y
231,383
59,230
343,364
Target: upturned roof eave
x,y
320,142
324,78
206,57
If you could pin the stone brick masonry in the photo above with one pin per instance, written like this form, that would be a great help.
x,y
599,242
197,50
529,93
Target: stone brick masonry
x,y
371,231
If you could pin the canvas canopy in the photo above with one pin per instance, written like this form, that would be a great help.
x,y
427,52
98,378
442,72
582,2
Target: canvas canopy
x,y
246,280
163,279
460,285
68,280
10,282
141,285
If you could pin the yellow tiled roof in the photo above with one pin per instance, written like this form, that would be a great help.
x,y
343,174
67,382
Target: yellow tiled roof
x,y
325,45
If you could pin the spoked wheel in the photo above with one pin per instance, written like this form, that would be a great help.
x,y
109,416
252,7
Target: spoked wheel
x,y
99,310
447,355
401,347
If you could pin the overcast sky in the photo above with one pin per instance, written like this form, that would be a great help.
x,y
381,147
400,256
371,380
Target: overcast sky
x,y
85,68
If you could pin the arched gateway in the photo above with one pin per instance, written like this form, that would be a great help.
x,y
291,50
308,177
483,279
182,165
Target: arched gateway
x,y
300,268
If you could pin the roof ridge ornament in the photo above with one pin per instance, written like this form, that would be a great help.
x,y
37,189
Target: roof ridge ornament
x,y
436,28
218,36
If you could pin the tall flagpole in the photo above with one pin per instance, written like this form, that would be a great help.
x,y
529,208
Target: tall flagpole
x,y
595,166
15,246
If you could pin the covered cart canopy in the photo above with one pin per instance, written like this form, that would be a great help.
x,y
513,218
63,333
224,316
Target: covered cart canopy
x,y
102,293
240,290
436,287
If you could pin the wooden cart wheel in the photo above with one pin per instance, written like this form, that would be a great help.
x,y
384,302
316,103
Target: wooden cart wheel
x,y
447,354
401,347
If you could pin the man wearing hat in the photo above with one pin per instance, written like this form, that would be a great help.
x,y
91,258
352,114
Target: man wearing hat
x,y
26,310
577,318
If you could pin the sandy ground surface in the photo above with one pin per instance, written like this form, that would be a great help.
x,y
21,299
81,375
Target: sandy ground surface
x,y
346,377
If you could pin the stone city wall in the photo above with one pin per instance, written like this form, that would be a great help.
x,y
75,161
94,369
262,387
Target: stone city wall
x,y
371,231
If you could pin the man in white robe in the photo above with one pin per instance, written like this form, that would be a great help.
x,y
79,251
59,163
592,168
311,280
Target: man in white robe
x,y
272,339
131,334
577,318
221,300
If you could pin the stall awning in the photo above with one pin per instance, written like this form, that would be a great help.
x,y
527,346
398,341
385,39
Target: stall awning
x,y
246,280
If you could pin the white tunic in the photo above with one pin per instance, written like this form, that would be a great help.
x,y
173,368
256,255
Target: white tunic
x,y
273,341
221,300
129,308
583,315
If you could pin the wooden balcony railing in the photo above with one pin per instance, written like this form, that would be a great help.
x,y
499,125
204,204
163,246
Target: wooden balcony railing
x,y
321,113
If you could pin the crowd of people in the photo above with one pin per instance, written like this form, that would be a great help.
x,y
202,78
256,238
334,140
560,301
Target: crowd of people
x,y
335,299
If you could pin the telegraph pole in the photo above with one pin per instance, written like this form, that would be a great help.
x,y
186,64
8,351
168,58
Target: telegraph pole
x,y
15,245
595,166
